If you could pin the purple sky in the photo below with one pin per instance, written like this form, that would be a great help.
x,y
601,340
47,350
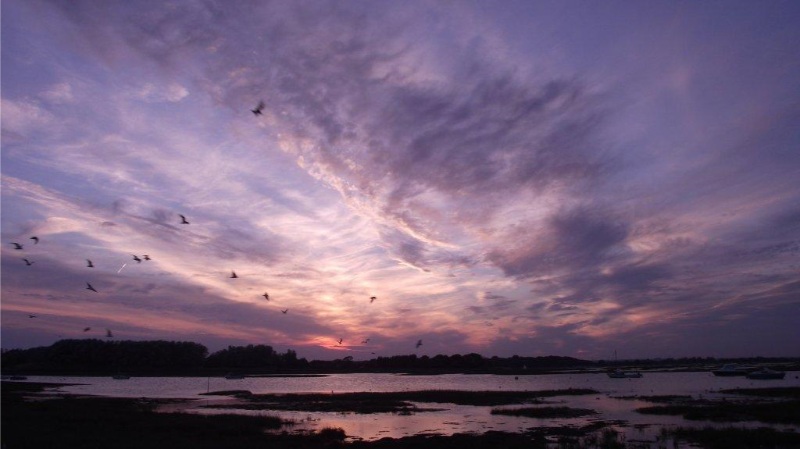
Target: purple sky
x,y
530,178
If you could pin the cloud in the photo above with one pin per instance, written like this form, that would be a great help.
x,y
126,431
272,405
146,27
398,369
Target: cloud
x,y
151,93
21,117
59,93
580,238
414,152
404,146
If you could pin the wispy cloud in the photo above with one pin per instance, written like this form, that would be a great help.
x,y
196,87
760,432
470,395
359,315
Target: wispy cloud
x,y
496,186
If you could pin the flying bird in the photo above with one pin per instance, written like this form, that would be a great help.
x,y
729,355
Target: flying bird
x,y
363,342
419,343
137,259
89,287
89,264
284,311
16,245
233,275
87,329
266,295
35,239
31,316
109,334
146,257
28,262
259,108
372,299
340,341
183,219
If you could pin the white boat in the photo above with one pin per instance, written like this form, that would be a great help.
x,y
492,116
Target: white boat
x,y
766,373
731,369
619,374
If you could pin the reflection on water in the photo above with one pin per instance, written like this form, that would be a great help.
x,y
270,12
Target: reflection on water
x,y
448,418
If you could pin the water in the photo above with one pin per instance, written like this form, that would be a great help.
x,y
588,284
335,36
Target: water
x,y
451,418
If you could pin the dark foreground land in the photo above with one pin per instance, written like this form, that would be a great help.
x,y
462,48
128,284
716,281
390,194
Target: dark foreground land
x,y
33,420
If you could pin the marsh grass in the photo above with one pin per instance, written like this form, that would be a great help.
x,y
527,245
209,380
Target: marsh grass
x,y
737,438
545,412
783,412
95,422
666,398
770,392
123,423
402,399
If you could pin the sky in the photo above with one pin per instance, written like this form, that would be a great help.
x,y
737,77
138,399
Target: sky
x,y
572,178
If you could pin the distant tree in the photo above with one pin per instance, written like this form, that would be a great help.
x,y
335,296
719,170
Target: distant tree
x,y
100,356
254,357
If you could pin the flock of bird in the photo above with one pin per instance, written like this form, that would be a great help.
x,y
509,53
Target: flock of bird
x,y
89,264
258,110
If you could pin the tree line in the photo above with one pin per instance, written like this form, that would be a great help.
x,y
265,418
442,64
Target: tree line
x,y
103,357
100,357
93,356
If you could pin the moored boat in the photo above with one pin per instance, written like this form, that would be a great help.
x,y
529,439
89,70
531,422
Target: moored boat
x,y
731,369
619,374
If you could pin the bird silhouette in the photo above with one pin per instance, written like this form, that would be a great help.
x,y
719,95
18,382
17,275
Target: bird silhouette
x,y
372,299
284,311
31,316
137,259
233,275
89,264
363,342
146,257
87,329
259,108
35,239
419,343
183,219
16,245
109,334
28,262
340,341
89,287
266,295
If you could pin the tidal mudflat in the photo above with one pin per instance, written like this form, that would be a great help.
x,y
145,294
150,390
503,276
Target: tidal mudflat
x,y
36,415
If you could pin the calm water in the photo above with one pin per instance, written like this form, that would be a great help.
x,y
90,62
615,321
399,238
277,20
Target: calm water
x,y
454,418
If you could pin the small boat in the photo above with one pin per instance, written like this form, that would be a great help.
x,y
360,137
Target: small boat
x,y
121,377
619,374
731,369
233,376
16,377
766,373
